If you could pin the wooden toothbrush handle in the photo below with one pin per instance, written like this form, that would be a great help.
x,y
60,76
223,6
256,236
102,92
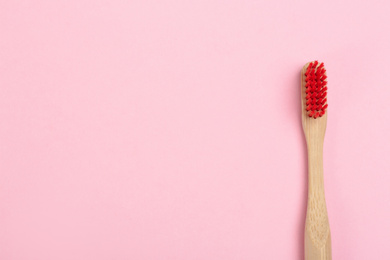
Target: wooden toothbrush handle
x,y
312,252
317,230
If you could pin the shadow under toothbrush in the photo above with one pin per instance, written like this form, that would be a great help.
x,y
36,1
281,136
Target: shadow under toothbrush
x,y
304,173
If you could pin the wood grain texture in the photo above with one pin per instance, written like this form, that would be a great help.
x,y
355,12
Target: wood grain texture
x,y
317,230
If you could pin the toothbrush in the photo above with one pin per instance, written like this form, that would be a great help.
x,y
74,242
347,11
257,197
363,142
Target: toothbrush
x,y
314,116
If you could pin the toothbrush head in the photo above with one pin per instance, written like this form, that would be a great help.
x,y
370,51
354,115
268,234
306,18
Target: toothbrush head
x,y
315,89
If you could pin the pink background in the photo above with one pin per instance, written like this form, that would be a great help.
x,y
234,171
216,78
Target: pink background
x,y
171,129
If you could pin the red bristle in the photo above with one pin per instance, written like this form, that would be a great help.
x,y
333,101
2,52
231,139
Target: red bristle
x,y
318,75
316,89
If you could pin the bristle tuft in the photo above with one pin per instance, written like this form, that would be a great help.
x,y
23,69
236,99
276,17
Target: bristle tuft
x,y
316,89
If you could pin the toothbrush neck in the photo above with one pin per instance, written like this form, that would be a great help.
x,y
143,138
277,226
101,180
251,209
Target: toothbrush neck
x,y
315,166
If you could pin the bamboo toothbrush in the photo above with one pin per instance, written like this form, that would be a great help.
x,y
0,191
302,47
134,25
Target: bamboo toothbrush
x,y
314,116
